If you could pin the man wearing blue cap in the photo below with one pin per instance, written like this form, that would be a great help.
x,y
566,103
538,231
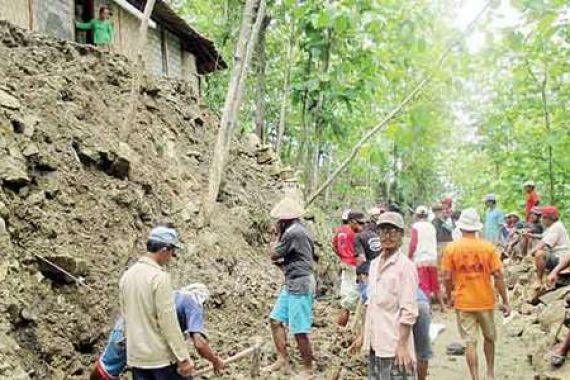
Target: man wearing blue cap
x,y
155,340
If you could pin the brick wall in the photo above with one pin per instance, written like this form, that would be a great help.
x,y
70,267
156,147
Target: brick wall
x,y
153,52
55,17
174,53
16,12
190,72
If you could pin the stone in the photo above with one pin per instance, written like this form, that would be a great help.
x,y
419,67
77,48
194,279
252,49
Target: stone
x,y
31,150
13,172
194,154
125,158
75,266
252,142
190,211
555,295
526,309
265,155
8,101
552,315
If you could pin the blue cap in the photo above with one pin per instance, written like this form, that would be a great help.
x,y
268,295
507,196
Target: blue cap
x,y
165,235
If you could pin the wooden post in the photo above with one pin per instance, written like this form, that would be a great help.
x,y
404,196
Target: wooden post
x,y
255,362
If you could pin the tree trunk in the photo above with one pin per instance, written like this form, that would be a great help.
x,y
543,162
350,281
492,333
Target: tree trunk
x,y
242,57
139,67
260,87
397,109
303,146
547,124
286,90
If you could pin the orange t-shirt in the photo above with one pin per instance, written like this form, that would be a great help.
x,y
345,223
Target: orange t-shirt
x,y
471,262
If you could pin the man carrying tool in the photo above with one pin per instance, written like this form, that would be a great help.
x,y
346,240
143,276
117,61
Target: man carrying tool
x,y
471,266
155,348
343,246
189,302
292,249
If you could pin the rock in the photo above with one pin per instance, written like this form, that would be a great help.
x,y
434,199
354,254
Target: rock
x,y
552,315
75,266
190,211
194,154
126,157
515,326
13,172
8,101
265,155
4,212
526,309
555,295
25,125
31,150
252,142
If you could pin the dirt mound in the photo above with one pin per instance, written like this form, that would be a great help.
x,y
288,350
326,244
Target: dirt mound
x,y
77,190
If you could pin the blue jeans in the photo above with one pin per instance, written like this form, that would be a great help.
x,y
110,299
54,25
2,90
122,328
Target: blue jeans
x,y
164,373
422,342
384,369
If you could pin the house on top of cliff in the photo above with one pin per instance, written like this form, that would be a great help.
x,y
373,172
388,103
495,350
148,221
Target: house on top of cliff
x,y
173,47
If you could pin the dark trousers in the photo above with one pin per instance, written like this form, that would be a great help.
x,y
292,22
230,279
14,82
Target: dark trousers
x,y
164,373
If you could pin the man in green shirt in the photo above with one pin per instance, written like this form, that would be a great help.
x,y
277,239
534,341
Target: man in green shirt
x,y
102,27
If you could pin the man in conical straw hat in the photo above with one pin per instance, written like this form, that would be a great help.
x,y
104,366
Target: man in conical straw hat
x,y
292,249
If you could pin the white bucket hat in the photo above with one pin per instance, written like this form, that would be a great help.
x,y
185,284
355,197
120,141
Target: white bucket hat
x,y
345,214
469,221
422,210
287,209
198,291
529,184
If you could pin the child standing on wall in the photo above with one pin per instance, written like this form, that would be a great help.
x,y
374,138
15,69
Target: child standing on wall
x,y
102,27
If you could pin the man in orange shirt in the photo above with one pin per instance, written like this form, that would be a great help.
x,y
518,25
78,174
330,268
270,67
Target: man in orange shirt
x,y
469,266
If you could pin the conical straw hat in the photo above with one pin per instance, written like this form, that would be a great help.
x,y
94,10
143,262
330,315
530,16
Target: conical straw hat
x,y
287,209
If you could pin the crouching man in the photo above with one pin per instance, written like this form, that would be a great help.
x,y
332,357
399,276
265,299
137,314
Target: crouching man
x,y
189,303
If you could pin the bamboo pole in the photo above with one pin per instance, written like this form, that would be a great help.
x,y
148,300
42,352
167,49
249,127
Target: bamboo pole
x,y
380,126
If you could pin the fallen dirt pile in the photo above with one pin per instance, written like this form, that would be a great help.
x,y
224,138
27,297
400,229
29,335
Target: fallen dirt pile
x,y
78,191
537,318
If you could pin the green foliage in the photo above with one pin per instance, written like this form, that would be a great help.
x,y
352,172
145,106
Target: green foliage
x,y
480,127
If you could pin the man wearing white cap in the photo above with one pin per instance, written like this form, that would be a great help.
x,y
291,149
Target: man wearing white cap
x,y
292,249
470,265
532,198
392,306
494,219
147,304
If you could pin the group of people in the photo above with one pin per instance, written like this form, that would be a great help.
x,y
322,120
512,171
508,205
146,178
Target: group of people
x,y
397,286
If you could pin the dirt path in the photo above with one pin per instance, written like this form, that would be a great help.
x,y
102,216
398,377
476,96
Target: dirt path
x,y
510,361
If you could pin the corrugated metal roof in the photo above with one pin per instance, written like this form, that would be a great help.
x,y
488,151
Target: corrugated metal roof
x,y
207,57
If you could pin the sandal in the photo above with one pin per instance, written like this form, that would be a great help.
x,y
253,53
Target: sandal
x,y
557,361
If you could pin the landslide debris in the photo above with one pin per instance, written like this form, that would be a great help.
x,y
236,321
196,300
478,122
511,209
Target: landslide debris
x,y
77,191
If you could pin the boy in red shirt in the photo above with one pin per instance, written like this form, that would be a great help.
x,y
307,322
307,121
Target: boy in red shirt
x,y
343,246
532,198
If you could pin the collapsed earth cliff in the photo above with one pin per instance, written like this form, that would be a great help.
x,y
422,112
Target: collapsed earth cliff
x,y
81,193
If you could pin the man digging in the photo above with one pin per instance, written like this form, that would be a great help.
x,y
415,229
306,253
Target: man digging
x,y
292,249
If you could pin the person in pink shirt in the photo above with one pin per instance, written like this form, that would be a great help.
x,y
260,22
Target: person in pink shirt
x,y
343,246
392,306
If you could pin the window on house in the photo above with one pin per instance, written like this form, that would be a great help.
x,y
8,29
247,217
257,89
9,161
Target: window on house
x,y
84,12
